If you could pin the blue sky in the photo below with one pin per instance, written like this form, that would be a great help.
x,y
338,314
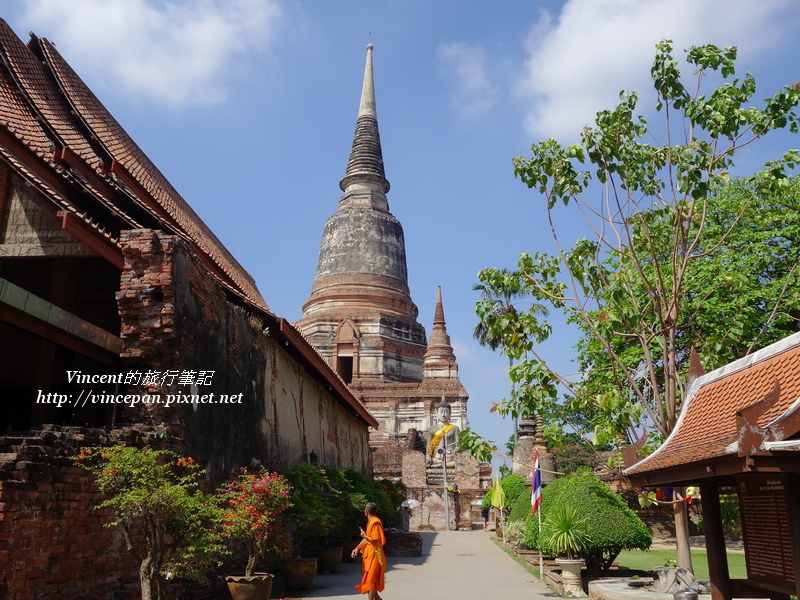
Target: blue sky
x,y
248,107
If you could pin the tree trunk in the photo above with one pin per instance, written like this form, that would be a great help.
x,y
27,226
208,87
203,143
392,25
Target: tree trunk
x,y
146,568
252,559
681,512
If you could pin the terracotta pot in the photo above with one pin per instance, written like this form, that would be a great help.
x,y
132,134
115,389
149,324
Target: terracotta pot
x,y
253,587
298,573
328,560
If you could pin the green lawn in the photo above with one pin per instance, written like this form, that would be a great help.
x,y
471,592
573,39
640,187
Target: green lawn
x,y
645,560
637,559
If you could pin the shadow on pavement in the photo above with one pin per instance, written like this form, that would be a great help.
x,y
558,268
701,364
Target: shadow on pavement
x,y
341,584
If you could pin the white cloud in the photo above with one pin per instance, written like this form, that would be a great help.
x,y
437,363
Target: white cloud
x,y
467,65
172,53
579,61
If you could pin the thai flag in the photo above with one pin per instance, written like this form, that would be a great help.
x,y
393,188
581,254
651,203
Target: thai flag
x,y
536,485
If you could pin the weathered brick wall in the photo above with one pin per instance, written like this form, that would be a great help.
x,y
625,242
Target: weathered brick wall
x,y
176,316
146,300
387,461
52,540
146,304
403,544
415,470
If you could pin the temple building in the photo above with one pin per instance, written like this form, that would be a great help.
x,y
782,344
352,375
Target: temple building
x,y
738,440
362,320
115,297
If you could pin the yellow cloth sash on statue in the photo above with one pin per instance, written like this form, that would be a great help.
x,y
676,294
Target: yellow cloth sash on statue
x,y
437,437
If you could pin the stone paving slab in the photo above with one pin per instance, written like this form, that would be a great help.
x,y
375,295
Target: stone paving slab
x,y
462,565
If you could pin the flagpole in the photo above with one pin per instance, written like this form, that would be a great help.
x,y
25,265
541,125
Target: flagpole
x,y
539,537
536,503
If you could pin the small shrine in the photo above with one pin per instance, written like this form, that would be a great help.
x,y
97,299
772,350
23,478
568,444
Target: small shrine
x,y
739,434
529,441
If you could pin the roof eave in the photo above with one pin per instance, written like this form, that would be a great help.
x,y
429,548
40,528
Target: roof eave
x,y
720,467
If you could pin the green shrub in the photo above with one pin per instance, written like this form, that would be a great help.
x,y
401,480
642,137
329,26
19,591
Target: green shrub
x,y
532,532
396,493
316,507
513,486
375,492
355,491
515,534
610,525
521,509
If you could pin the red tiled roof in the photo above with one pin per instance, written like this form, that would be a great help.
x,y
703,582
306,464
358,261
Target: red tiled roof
x,y
45,105
707,428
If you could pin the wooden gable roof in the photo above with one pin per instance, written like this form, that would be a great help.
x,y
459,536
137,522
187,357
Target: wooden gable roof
x,y
57,135
743,417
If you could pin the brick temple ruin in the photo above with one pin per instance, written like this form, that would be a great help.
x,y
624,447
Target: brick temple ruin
x,y
362,320
112,287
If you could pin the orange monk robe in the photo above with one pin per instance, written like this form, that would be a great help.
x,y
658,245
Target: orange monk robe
x,y
373,558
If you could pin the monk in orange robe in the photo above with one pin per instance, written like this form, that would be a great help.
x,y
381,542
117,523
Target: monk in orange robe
x,y
373,558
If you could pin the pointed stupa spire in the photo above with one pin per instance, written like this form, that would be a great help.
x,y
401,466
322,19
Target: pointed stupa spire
x,y
365,166
362,276
439,359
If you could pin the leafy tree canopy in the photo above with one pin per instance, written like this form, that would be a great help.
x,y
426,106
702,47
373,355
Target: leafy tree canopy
x,y
666,264
679,255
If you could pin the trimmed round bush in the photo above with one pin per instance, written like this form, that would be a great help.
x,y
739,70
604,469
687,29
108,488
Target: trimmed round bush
x,y
610,525
521,509
513,486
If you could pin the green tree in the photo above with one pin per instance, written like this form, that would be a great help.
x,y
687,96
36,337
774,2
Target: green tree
x,y
744,294
650,209
740,297
497,297
169,524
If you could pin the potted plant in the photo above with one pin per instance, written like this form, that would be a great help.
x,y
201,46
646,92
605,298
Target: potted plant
x,y
252,506
311,517
564,535
340,539
169,525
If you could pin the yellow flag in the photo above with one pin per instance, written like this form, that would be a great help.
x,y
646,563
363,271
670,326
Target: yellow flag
x,y
498,495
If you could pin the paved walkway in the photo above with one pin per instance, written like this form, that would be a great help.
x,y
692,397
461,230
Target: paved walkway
x,y
455,565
